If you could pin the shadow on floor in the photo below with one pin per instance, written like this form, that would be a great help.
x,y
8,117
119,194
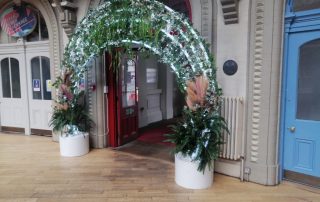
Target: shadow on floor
x,y
151,142
154,151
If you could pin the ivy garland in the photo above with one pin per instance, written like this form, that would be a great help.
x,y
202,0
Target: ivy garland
x,y
156,29
153,26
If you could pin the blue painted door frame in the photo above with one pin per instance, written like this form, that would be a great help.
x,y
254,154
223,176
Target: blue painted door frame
x,y
300,28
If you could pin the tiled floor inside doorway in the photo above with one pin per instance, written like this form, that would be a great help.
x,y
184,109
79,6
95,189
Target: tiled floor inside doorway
x,y
151,142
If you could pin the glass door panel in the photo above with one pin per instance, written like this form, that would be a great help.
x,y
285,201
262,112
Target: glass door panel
x,y
128,84
10,76
15,78
303,5
308,105
5,77
46,78
36,78
41,79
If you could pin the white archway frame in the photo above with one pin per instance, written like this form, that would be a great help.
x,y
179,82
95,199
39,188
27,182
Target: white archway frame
x,y
178,44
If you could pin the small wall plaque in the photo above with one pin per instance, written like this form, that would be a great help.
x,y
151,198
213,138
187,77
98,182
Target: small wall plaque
x,y
230,67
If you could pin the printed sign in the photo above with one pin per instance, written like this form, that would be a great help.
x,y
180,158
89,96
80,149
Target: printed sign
x,y
49,85
82,84
36,85
18,21
151,75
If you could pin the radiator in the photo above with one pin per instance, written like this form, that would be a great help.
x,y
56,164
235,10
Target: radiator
x,y
232,110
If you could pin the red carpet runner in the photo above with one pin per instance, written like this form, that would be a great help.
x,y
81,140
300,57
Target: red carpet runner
x,y
155,135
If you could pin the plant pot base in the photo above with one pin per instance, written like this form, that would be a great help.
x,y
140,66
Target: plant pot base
x,y
72,146
187,175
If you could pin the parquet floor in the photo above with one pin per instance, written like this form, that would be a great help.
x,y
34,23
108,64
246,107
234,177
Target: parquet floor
x,y
31,169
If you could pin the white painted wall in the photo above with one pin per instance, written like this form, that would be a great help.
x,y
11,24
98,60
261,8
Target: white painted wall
x,y
83,6
196,14
149,100
166,84
64,38
82,9
232,43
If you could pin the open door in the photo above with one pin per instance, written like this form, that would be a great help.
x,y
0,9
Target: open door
x,y
122,102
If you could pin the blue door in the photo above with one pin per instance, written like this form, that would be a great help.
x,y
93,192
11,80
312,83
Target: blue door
x,y
302,106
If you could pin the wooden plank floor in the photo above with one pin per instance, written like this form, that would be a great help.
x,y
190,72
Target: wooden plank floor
x,y
31,169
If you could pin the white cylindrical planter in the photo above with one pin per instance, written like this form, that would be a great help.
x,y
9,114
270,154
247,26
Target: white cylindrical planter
x,y
77,145
187,175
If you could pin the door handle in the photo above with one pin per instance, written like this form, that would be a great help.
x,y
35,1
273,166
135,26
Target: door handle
x,y
292,129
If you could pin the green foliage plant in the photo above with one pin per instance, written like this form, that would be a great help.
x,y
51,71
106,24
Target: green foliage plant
x,y
70,113
198,134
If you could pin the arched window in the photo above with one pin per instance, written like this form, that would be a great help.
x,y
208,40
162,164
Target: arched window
x,y
41,79
308,106
10,77
40,33
22,21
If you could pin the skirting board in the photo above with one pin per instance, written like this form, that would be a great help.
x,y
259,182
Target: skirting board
x,y
227,167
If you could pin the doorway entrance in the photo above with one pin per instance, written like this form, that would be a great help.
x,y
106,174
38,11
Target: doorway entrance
x,y
25,79
141,92
301,115
122,101
25,90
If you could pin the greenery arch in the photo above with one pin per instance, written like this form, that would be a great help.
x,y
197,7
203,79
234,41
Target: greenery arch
x,y
157,29
148,23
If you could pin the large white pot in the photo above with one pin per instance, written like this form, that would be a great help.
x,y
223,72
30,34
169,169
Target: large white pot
x,y
187,175
77,145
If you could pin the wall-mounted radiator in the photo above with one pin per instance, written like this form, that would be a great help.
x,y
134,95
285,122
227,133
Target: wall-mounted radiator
x,y
232,110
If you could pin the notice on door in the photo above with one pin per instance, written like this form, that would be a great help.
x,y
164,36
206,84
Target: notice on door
x,y
36,85
49,85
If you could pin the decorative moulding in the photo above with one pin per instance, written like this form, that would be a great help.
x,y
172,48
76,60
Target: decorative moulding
x,y
67,14
53,28
258,62
230,9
